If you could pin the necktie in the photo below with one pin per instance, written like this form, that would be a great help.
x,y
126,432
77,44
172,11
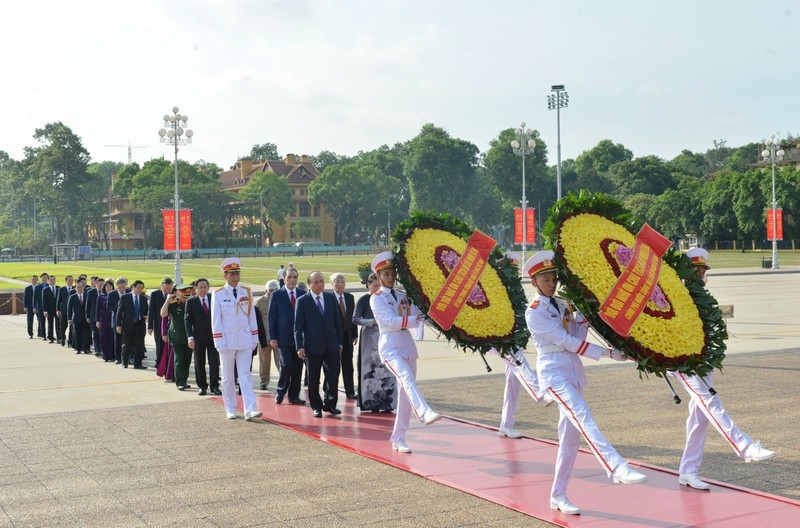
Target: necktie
x,y
291,298
393,294
205,306
53,290
341,306
80,298
319,305
135,308
555,305
234,293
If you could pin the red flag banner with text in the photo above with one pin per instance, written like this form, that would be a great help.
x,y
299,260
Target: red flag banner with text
x,y
530,232
168,216
186,229
459,284
636,283
771,224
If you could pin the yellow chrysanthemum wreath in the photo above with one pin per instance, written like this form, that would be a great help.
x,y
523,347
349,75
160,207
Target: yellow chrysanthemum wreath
x,y
680,328
428,248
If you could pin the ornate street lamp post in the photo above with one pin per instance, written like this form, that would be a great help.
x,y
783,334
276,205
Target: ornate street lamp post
x,y
524,144
556,101
174,134
773,153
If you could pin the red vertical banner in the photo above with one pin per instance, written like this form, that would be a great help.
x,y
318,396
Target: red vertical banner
x,y
530,228
186,230
168,217
771,224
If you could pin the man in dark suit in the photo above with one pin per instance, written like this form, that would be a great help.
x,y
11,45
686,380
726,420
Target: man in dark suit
x,y
198,329
44,278
318,337
347,305
112,304
154,316
132,325
27,303
49,308
62,307
281,336
76,313
91,310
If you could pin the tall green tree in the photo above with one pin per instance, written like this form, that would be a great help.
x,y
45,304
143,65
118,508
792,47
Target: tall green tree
x,y
271,194
719,220
645,175
264,152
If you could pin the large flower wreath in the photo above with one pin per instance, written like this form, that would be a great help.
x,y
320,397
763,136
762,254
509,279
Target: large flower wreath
x,y
427,247
681,327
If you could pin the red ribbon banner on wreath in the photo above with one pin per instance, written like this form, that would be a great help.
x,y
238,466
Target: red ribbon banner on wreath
x,y
462,279
636,283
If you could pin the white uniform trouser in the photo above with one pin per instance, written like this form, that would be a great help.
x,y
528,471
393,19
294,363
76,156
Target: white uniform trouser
x,y
517,376
405,370
705,408
241,358
576,420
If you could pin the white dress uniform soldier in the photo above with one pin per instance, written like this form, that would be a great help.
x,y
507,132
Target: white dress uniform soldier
x,y
705,408
518,373
560,339
395,315
235,332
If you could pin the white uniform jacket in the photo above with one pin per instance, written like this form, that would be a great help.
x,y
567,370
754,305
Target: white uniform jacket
x,y
395,317
560,339
233,319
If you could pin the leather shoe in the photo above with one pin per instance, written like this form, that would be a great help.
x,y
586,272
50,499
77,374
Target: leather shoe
x,y
352,397
140,367
332,410
317,413
428,417
510,432
755,452
201,392
297,401
624,474
401,447
216,391
693,481
252,415
278,398
184,387
263,386
123,366
563,504
118,362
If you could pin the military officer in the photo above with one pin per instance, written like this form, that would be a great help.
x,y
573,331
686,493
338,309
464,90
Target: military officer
x,y
705,408
235,332
560,339
395,315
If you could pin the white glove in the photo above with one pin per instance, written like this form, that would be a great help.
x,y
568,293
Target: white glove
x,y
618,355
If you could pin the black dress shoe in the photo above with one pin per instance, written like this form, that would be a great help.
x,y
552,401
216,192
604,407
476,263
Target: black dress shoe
x,y
263,386
352,397
30,337
118,362
216,391
297,401
78,352
317,413
279,398
140,367
124,365
333,410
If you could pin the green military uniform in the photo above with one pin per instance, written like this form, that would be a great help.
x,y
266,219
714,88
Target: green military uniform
x,y
180,343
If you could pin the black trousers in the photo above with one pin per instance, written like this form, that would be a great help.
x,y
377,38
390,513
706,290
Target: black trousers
x,y
134,343
347,366
82,335
329,365
30,315
291,372
201,352
51,324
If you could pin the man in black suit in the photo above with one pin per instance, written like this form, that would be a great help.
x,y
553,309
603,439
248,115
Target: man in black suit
x,y
198,329
318,337
76,313
37,304
49,308
92,294
154,316
347,305
132,325
62,307
27,303
112,304
281,336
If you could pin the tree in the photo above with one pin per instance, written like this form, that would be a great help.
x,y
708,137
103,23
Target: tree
x,y
306,229
602,157
689,163
719,220
748,206
273,197
440,171
646,175
504,170
327,158
264,152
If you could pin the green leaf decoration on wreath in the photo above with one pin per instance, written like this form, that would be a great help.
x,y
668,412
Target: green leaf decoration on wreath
x,y
592,236
427,246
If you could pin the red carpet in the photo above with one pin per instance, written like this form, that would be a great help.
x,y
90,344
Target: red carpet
x,y
517,474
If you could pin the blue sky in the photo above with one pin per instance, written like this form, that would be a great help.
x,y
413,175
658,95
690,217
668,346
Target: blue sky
x,y
353,75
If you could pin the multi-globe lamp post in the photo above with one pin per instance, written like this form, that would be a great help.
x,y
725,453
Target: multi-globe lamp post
x,y
772,154
556,101
174,134
522,145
